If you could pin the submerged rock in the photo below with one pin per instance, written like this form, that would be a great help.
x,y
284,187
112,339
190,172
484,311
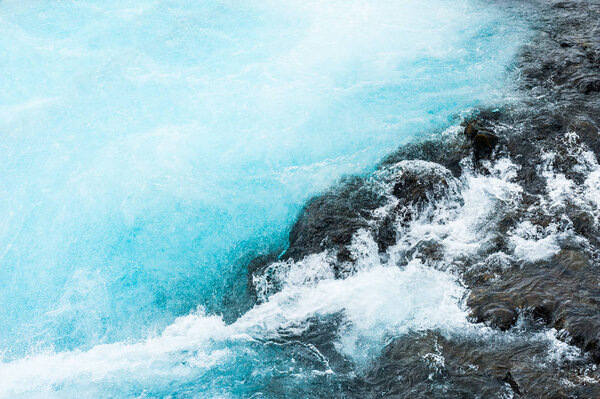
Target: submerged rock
x,y
564,293
432,365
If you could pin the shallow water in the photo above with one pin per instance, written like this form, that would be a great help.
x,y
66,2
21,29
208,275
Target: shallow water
x,y
149,147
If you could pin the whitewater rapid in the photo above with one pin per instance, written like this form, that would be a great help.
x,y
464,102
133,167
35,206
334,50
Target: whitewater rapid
x,y
199,355
150,148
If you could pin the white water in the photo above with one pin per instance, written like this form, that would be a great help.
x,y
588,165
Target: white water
x,y
201,356
147,146
379,302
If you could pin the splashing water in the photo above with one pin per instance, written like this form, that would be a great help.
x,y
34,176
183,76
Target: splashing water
x,y
148,147
202,353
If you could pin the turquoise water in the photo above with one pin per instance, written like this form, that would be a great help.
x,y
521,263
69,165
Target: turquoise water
x,y
148,148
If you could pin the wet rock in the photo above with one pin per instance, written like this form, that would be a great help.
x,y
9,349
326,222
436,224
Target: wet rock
x,y
564,293
472,129
491,114
532,181
329,221
429,251
583,222
434,365
483,141
483,145
495,314
447,152
418,189
588,132
386,234
588,84
510,380
419,185
417,366
317,338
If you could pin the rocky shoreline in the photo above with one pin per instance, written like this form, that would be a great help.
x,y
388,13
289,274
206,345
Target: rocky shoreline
x,y
531,268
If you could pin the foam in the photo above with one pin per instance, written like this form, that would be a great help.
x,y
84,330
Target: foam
x,y
377,303
461,223
150,145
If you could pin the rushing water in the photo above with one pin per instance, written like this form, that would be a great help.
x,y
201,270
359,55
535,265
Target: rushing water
x,y
148,148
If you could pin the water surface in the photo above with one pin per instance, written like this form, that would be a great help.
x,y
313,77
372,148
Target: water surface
x,y
148,148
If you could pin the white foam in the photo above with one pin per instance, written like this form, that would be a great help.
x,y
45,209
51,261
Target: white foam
x,y
186,130
533,243
170,138
461,222
377,303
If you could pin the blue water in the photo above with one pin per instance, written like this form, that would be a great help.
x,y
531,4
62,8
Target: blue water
x,y
149,148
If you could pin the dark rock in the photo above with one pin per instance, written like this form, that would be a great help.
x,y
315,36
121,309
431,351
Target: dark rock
x,y
495,314
483,144
447,152
472,129
509,379
386,233
419,188
545,310
329,221
432,365
483,140
588,132
588,84
564,293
